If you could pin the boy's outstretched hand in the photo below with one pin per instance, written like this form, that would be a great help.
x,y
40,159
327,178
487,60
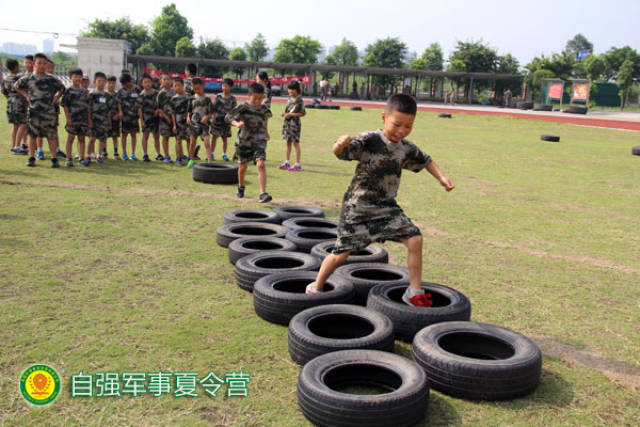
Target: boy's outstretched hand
x,y
341,143
446,183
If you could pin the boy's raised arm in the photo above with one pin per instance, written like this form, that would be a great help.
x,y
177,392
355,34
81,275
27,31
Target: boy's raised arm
x,y
434,170
341,143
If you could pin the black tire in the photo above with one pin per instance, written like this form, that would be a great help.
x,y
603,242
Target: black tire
x,y
251,215
255,266
366,275
404,403
307,238
310,106
576,109
524,105
227,233
444,115
240,248
552,138
322,107
278,297
372,253
310,222
356,108
478,360
636,150
288,212
448,305
334,107
320,330
215,173
542,107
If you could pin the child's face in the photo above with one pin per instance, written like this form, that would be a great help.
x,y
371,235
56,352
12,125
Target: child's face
x,y
146,84
397,125
76,79
255,99
40,65
85,83
178,87
226,89
111,86
198,89
28,65
166,82
293,93
100,82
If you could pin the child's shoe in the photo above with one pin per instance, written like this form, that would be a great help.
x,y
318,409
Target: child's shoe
x,y
295,168
40,154
168,160
134,158
417,298
311,289
60,153
69,163
190,163
285,166
99,160
195,153
31,162
87,161
264,197
125,157
159,157
54,163
146,158
93,156
240,192
225,157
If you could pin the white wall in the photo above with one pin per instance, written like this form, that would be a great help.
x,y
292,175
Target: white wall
x,y
106,55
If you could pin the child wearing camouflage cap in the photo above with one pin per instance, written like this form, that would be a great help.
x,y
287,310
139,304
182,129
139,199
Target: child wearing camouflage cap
x,y
369,210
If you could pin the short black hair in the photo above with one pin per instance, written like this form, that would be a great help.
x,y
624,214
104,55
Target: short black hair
x,y
256,88
178,79
29,57
294,85
75,72
125,78
125,71
401,103
196,81
100,74
264,77
192,68
228,82
112,79
146,76
41,55
12,64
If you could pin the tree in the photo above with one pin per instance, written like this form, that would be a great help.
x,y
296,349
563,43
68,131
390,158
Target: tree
x,y
213,49
508,64
474,57
123,28
578,43
299,49
257,50
624,80
386,53
346,53
615,57
536,81
434,60
594,66
168,28
238,54
60,57
185,48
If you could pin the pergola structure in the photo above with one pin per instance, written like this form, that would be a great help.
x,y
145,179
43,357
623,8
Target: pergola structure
x,y
345,73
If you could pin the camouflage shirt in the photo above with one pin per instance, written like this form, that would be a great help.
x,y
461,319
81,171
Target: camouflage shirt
x,y
372,191
130,103
188,87
199,107
295,106
148,102
15,101
255,122
223,106
180,107
76,100
41,91
103,107
163,101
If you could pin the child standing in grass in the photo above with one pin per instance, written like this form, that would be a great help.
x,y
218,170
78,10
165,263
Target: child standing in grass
x,y
101,105
165,120
75,102
179,110
252,118
116,117
17,107
148,99
369,211
131,114
223,105
291,127
198,118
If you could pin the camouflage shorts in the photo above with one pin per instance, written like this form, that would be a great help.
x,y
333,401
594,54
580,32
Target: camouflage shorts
x,y
130,127
150,125
250,153
182,131
115,129
99,131
198,130
17,117
164,128
79,130
357,236
221,129
291,131
43,129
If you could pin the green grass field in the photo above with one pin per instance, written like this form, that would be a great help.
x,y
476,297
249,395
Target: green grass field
x,y
115,268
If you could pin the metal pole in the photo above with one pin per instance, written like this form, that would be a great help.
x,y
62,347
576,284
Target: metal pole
x,y
470,90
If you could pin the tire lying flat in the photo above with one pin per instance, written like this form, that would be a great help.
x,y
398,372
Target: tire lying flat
x,y
366,275
320,330
307,238
244,246
404,405
372,253
216,173
279,297
287,212
356,108
551,138
252,215
542,107
253,267
576,109
478,360
227,233
444,115
310,222
636,150
448,305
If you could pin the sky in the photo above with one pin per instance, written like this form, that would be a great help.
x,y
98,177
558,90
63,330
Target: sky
x,y
524,29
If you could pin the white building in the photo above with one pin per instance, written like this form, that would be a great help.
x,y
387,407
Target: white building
x,y
106,55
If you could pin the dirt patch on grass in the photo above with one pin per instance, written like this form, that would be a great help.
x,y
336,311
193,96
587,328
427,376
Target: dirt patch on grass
x,y
212,417
617,371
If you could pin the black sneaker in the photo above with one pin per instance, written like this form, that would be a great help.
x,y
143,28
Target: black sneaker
x,y
54,163
240,193
21,151
13,149
31,162
60,153
145,158
264,197
69,163
159,157
195,154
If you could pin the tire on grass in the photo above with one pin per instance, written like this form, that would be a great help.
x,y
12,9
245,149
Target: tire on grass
x,y
551,138
636,150
366,275
227,233
278,297
576,109
310,222
448,305
477,360
255,266
240,248
215,173
372,253
444,115
320,330
356,108
325,400
542,107
251,215
307,238
288,212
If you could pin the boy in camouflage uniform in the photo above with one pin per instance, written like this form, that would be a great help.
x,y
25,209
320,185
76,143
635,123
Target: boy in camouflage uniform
x,y
190,72
198,118
131,114
116,117
75,102
252,118
102,106
42,91
148,99
17,107
291,127
369,210
223,105
165,121
179,110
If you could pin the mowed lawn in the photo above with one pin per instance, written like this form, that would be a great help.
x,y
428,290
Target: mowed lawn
x,y
115,268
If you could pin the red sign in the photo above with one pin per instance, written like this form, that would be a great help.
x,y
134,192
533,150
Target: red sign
x,y
580,92
304,80
555,91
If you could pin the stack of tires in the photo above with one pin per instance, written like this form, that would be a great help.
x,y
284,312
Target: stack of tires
x,y
344,336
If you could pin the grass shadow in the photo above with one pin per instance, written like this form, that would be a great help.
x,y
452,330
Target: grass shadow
x,y
439,413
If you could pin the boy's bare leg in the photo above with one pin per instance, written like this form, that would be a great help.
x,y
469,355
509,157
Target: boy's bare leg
x,y
296,145
207,146
102,146
414,260
134,141
69,146
156,142
39,141
288,155
53,146
165,145
179,151
329,265
242,171
33,144
124,143
191,147
115,145
145,141
81,147
91,146
224,145
262,175
214,139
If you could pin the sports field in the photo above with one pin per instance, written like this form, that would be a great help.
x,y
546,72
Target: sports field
x,y
115,268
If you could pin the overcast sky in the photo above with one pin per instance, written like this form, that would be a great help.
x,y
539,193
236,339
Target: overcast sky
x,y
524,29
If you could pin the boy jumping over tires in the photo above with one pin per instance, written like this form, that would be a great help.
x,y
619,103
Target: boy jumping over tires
x,y
369,210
